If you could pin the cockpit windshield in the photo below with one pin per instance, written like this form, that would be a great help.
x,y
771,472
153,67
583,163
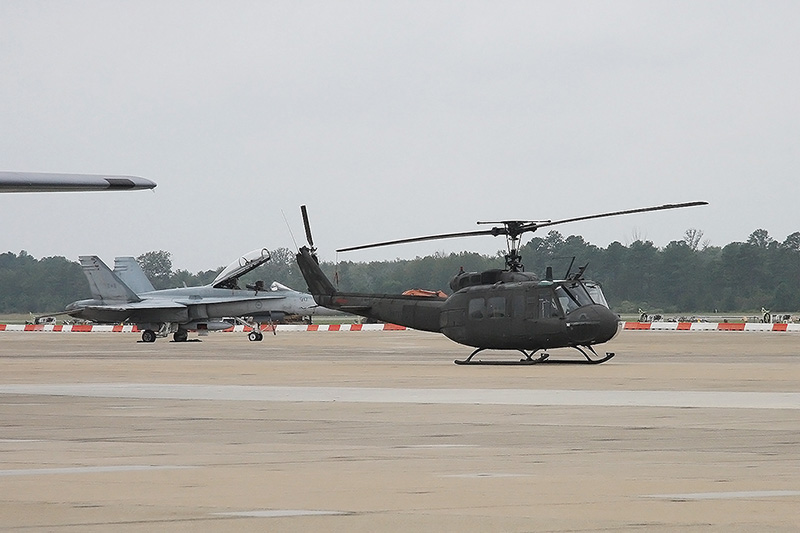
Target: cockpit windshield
x,y
571,296
595,292
243,265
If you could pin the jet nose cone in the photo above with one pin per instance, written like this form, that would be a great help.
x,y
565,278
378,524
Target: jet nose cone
x,y
592,324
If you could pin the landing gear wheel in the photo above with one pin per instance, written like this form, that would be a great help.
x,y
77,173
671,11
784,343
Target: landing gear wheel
x,y
148,335
255,336
180,335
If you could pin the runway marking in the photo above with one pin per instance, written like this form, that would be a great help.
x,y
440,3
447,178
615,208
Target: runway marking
x,y
537,397
436,446
726,495
280,513
87,469
478,475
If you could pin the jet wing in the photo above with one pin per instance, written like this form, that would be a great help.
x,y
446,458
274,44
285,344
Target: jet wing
x,y
185,302
138,306
242,266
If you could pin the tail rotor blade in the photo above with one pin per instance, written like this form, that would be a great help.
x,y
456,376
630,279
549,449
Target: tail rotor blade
x,y
307,226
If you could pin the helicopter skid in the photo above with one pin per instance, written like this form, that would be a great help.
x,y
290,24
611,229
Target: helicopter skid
x,y
588,360
530,360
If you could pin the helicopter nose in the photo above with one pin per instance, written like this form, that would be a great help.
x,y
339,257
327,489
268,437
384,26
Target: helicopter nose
x,y
592,324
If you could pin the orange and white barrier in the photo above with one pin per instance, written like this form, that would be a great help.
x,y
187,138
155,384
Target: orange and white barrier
x,y
629,326
76,328
709,326
99,328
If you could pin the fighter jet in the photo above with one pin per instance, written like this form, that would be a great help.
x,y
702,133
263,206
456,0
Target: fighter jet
x,y
44,182
125,294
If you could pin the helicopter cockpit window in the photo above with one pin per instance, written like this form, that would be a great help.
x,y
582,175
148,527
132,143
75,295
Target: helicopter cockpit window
x,y
477,308
579,292
568,303
567,300
572,296
596,293
497,307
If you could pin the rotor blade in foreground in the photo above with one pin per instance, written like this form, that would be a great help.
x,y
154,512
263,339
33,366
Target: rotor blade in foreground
x,y
534,226
493,231
48,182
514,228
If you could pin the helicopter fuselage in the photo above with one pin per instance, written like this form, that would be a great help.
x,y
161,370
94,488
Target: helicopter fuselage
x,y
497,309
527,315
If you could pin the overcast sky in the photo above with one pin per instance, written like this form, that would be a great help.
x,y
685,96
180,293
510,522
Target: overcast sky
x,y
395,119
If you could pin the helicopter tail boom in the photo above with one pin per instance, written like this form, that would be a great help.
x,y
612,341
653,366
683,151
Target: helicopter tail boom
x,y
411,311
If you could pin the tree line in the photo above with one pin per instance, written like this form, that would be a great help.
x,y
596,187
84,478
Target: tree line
x,y
686,275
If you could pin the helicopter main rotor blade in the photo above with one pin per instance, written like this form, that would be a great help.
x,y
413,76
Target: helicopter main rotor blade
x,y
514,229
493,231
534,226
307,226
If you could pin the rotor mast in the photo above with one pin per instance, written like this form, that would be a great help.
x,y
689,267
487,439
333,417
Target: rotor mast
x,y
513,230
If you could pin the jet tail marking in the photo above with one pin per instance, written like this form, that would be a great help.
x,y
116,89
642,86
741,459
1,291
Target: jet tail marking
x,y
103,283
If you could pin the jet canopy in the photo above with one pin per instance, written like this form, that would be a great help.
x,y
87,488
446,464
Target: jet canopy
x,y
249,261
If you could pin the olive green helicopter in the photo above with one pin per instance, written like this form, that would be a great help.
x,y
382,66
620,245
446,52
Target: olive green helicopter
x,y
499,309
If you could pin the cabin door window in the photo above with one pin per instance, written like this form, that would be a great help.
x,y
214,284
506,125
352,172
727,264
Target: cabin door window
x,y
477,308
548,307
496,307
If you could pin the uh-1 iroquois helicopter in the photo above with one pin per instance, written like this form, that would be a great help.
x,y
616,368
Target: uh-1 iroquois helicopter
x,y
502,309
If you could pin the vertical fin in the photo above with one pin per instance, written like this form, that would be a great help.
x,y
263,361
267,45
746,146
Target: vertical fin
x,y
130,272
104,284
318,283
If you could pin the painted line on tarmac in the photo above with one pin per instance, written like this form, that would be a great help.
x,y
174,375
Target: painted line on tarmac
x,y
483,475
575,398
87,470
740,495
281,513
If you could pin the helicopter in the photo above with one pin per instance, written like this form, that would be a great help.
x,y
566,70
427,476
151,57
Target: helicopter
x,y
499,309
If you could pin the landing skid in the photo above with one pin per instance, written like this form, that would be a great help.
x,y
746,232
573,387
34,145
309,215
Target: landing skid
x,y
529,359
544,357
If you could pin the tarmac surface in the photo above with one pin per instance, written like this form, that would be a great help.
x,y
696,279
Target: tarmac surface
x,y
380,431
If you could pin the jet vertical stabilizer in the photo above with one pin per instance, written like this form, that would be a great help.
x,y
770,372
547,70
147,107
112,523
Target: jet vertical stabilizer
x,y
132,275
104,284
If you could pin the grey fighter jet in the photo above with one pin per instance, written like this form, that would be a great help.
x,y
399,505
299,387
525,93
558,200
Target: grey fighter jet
x,y
46,182
125,294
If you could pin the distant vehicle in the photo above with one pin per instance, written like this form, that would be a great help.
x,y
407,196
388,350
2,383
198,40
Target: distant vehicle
x,y
126,295
48,182
42,320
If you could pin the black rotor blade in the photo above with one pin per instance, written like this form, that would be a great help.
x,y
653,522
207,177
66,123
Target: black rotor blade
x,y
516,231
307,226
493,231
534,226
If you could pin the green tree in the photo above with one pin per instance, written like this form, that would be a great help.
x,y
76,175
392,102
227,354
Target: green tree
x,y
158,267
